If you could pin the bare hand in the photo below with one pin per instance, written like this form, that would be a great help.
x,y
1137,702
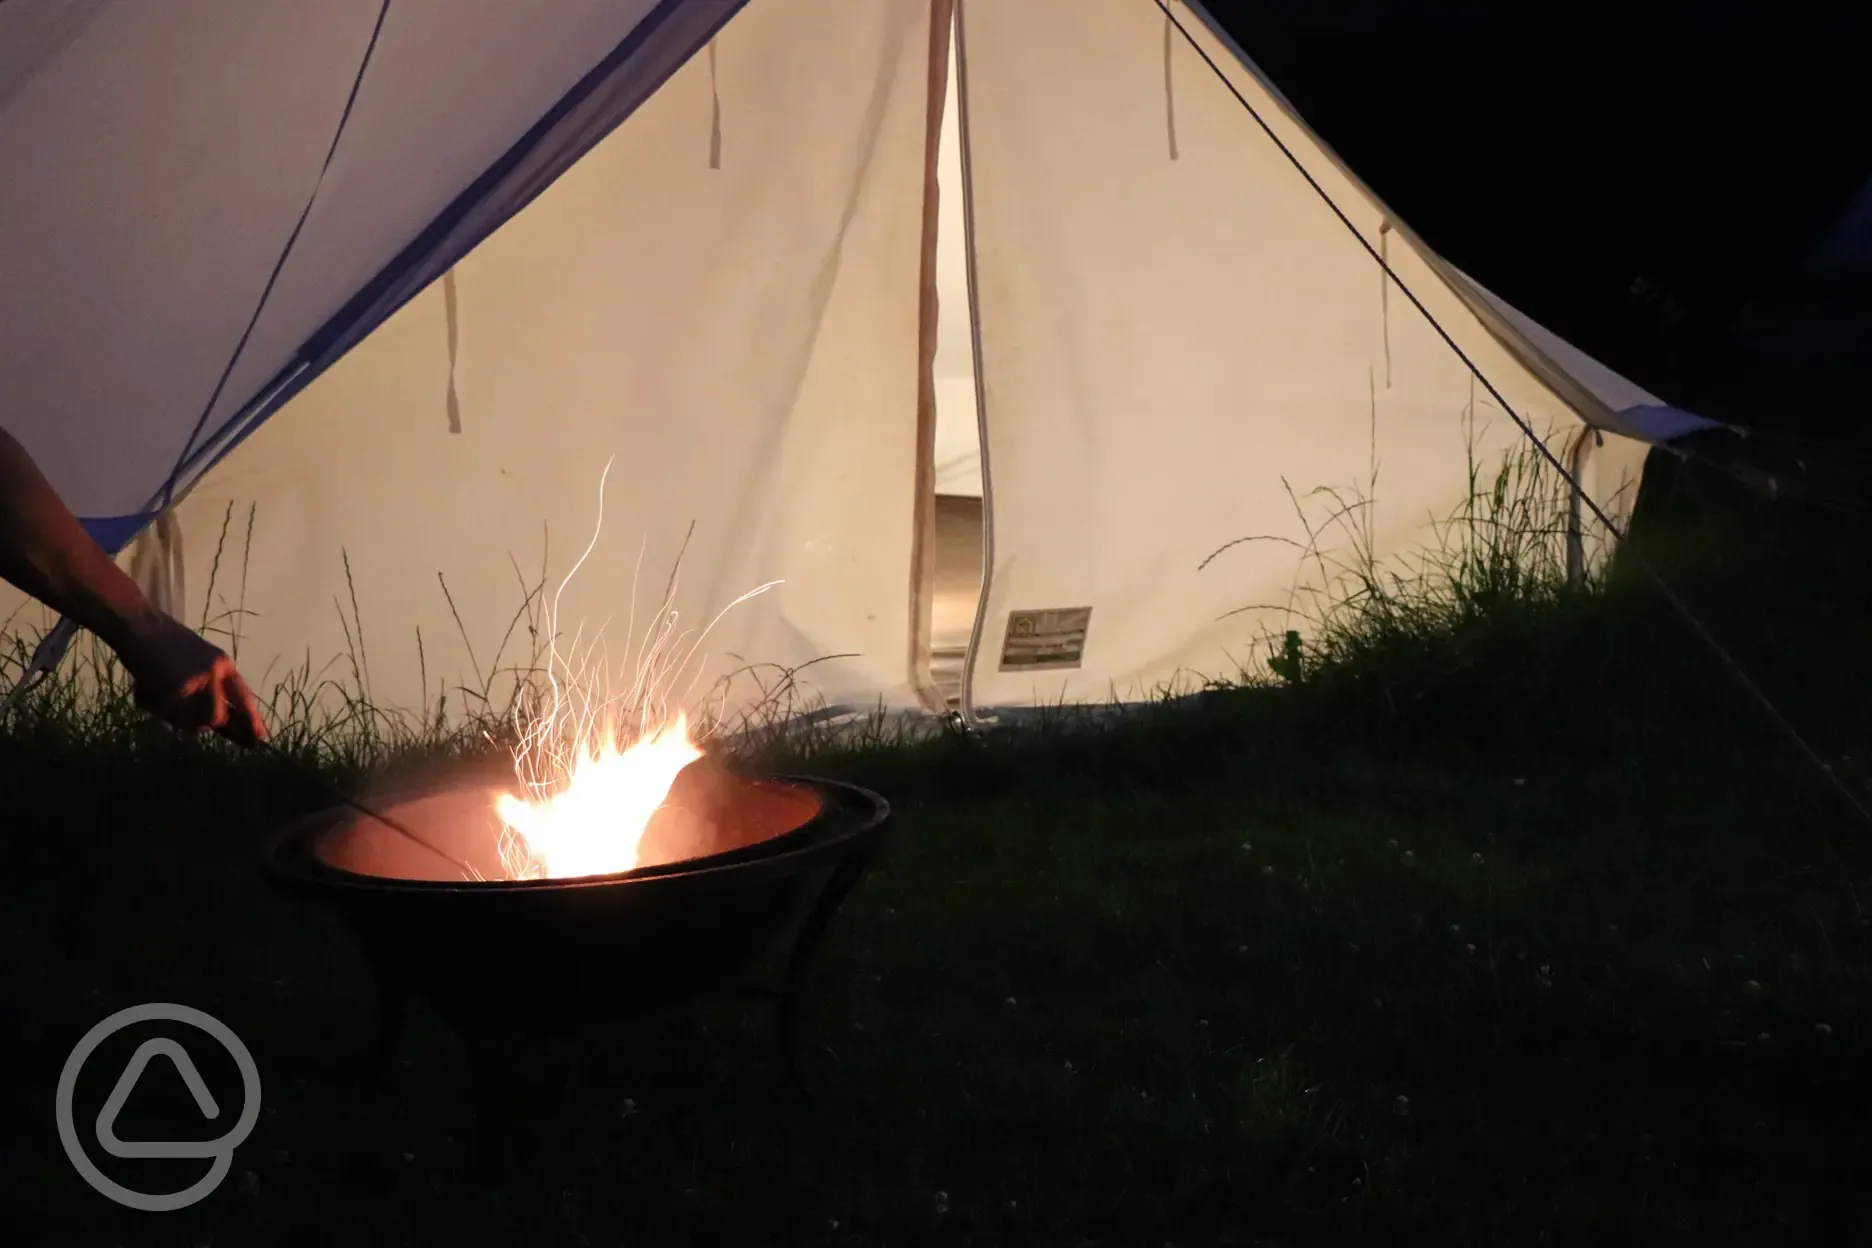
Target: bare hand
x,y
186,680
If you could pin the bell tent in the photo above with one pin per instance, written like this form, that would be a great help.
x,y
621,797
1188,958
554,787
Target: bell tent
x,y
329,318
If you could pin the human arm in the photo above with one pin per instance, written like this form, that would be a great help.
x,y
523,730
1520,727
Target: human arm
x,y
179,676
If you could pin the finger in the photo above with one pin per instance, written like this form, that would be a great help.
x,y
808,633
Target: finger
x,y
217,702
244,726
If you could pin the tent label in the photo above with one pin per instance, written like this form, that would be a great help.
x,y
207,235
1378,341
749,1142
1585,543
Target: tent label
x,y
1045,640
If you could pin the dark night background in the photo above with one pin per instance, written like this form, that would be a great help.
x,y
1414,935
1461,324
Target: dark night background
x,y
1563,150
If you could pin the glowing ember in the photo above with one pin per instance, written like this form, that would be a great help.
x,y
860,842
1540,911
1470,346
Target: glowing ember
x,y
596,765
594,825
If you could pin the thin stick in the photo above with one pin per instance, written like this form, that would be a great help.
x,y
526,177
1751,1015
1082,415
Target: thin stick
x,y
333,791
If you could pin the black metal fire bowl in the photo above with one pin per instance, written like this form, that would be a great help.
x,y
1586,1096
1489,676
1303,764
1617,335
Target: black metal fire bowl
x,y
729,863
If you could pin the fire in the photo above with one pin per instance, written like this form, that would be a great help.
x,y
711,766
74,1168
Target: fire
x,y
596,758
595,823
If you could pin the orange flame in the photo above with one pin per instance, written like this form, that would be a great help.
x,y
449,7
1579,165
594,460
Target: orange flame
x,y
597,766
596,823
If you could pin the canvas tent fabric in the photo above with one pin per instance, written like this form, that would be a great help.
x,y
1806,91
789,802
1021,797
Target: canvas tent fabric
x,y
156,168
1183,349
688,240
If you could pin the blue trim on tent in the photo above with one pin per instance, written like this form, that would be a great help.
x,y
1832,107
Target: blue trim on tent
x,y
114,533
433,251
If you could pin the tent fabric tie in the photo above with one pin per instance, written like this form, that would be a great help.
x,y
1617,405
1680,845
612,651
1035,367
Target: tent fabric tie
x,y
714,141
1169,75
451,303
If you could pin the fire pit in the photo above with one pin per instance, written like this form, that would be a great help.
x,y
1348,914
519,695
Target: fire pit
x,y
725,864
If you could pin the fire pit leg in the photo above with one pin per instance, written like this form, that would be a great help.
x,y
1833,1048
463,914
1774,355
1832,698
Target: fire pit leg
x,y
838,887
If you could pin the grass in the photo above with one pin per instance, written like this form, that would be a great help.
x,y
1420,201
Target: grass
x,y
1495,918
